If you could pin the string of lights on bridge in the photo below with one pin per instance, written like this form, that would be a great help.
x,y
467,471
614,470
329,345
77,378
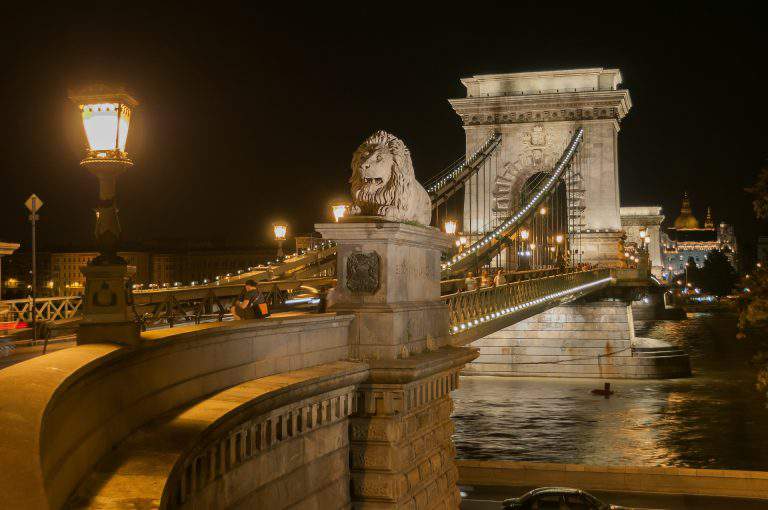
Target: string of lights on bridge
x,y
495,233
469,162
512,309
219,279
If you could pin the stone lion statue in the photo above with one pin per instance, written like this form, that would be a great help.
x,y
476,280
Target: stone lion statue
x,y
383,182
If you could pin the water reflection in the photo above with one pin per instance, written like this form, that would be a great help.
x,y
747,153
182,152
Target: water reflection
x,y
715,419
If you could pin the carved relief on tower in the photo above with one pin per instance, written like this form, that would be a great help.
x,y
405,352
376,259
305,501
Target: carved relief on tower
x,y
536,148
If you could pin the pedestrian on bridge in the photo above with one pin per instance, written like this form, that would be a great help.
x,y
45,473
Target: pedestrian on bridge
x,y
499,279
485,279
470,283
250,304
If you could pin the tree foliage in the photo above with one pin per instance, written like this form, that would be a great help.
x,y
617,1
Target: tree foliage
x,y
717,276
759,192
754,311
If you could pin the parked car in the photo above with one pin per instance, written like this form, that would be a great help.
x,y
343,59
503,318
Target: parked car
x,y
558,498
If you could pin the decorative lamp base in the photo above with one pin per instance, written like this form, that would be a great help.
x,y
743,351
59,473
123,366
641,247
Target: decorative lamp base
x,y
106,315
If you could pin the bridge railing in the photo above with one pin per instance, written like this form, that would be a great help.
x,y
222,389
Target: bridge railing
x,y
46,309
470,309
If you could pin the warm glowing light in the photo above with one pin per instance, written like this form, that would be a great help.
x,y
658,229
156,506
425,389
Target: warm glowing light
x,y
463,240
524,234
106,113
559,238
106,125
642,234
339,211
543,210
280,231
450,227
533,246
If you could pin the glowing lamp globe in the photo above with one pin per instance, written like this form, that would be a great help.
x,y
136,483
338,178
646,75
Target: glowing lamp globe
x,y
450,227
339,211
106,115
280,231
559,238
524,234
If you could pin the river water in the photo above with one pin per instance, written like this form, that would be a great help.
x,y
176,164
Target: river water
x,y
716,419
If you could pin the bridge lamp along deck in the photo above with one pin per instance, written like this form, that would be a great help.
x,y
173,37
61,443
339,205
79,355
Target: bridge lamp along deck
x,y
339,211
280,231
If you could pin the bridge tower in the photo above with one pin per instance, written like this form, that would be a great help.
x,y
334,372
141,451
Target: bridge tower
x,y
536,113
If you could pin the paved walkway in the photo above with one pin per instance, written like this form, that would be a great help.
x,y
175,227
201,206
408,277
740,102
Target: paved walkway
x,y
487,498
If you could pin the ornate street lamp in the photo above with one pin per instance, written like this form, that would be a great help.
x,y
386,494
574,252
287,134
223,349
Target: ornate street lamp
x,y
339,211
280,230
106,115
450,227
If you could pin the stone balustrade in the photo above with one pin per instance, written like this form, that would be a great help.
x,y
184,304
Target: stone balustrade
x,y
63,412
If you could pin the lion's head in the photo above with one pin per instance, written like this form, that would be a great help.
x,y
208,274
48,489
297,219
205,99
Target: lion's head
x,y
382,173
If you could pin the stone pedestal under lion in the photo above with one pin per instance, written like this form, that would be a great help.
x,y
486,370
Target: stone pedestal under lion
x,y
383,182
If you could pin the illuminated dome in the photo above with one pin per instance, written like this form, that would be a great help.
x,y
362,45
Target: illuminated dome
x,y
686,218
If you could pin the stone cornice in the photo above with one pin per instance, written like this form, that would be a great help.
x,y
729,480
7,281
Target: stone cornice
x,y
642,221
565,106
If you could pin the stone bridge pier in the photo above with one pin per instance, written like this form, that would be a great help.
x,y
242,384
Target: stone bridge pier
x,y
401,451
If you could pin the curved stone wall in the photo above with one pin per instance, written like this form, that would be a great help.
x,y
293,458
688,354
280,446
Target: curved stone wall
x,y
62,412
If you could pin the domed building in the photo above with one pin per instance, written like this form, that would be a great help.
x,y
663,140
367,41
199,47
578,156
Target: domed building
x,y
686,218
687,239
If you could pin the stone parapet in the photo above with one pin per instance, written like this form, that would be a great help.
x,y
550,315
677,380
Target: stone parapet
x,y
659,480
79,403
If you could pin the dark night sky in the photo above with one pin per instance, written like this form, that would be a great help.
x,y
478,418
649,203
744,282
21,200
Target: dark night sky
x,y
249,116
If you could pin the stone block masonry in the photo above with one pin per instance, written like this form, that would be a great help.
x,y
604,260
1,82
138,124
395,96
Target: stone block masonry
x,y
581,339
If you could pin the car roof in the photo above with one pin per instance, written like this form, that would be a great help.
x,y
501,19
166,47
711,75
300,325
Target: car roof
x,y
561,490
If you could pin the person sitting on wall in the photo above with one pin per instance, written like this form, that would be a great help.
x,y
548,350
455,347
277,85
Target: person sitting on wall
x,y
250,304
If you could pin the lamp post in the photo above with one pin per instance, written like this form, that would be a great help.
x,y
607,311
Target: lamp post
x,y
280,230
559,252
525,252
106,115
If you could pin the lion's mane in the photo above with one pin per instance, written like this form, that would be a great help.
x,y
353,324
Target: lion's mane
x,y
400,192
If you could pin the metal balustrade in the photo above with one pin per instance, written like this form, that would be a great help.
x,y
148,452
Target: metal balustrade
x,y
46,309
474,314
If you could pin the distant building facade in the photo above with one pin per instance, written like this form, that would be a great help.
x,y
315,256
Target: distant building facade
x,y
68,279
17,275
686,239
58,273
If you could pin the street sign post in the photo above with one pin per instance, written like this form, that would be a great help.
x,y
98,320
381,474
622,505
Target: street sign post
x,y
34,204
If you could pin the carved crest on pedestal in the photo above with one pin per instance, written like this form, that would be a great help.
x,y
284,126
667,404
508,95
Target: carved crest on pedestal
x,y
363,272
